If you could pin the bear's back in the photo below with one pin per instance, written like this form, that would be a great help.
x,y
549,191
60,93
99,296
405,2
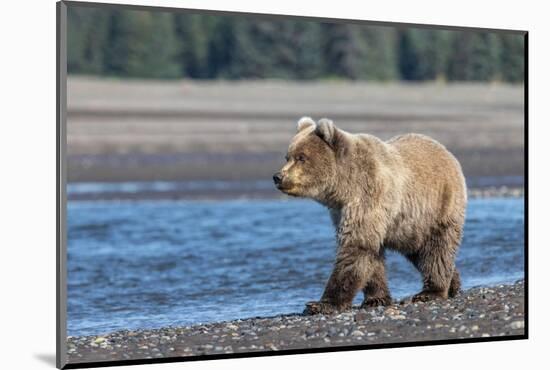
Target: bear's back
x,y
435,177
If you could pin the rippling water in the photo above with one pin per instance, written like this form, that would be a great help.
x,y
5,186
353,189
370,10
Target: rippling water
x,y
148,264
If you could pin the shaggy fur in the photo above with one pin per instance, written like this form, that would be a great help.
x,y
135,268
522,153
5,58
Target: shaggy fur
x,y
407,194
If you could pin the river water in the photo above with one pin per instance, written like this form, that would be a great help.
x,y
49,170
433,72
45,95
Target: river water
x,y
155,263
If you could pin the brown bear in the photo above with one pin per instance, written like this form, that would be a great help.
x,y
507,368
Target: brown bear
x,y
406,194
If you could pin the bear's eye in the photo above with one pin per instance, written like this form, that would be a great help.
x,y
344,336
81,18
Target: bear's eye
x,y
301,158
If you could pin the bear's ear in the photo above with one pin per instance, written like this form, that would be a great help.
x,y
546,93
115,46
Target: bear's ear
x,y
327,131
305,122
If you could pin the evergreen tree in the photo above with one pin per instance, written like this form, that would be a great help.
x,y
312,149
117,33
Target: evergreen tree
x,y
86,38
379,63
459,61
221,47
307,50
194,32
423,54
253,55
485,57
142,44
343,49
250,48
475,56
512,57
130,43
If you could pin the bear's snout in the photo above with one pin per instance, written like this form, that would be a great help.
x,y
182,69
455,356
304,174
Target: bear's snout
x,y
278,178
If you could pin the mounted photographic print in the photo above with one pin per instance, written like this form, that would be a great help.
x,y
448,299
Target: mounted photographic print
x,y
235,184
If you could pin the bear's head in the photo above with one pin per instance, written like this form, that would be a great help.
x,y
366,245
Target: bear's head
x,y
311,161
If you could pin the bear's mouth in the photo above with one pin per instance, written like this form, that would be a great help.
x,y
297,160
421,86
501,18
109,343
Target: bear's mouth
x,y
287,189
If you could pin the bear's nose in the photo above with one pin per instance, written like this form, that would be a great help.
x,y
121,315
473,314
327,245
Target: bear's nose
x,y
277,178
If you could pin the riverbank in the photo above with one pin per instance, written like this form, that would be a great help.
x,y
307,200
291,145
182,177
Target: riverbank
x,y
476,313
120,130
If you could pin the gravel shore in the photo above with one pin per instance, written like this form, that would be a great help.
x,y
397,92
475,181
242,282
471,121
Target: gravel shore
x,y
476,313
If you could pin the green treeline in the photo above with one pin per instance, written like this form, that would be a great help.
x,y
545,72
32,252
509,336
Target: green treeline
x,y
128,43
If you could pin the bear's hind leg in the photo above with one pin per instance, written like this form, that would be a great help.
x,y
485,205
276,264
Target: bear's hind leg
x,y
436,279
376,290
436,263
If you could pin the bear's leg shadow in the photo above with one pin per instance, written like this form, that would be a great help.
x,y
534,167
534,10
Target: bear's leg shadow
x,y
351,272
376,290
436,263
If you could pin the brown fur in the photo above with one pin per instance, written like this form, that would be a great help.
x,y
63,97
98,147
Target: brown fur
x,y
407,194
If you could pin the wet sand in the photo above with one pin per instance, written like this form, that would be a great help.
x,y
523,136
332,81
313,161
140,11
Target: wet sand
x,y
188,130
482,312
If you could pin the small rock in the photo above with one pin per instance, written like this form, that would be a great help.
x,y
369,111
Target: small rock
x,y
310,332
357,333
391,311
517,325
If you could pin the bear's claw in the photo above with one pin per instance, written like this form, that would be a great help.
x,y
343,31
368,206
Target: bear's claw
x,y
376,301
315,308
426,296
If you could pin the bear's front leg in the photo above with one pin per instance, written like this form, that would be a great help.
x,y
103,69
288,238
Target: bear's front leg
x,y
360,233
376,290
351,271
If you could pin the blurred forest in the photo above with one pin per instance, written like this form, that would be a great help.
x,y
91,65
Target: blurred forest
x,y
152,44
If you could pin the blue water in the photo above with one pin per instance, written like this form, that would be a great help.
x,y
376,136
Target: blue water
x,y
148,264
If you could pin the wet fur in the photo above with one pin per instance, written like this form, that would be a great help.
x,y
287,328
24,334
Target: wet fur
x,y
407,194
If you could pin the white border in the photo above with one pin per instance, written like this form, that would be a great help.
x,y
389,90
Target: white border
x,y
28,186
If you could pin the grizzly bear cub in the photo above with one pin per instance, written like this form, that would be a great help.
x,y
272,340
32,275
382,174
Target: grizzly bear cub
x,y
406,194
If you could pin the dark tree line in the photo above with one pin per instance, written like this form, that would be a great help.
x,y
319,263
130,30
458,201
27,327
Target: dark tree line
x,y
128,43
